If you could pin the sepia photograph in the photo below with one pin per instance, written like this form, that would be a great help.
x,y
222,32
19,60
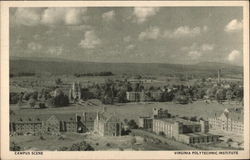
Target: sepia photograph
x,y
126,78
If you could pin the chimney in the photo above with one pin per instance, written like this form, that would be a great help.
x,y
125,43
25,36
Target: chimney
x,y
104,109
219,74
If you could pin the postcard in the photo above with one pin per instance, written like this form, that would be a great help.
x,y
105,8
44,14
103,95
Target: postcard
x,y
124,80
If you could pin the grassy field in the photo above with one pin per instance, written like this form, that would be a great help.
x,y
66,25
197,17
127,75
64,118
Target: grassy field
x,y
128,111
134,110
53,143
99,143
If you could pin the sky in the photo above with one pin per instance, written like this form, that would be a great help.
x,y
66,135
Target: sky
x,y
180,35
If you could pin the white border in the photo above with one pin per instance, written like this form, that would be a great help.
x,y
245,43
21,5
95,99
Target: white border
x,y
6,154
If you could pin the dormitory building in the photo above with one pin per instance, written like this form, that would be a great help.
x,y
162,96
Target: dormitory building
x,y
182,130
231,120
101,123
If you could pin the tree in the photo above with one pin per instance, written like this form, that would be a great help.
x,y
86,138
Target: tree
x,y
229,95
60,99
82,146
58,81
182,99
121,96
211,92
14,98
239,93
14,147
220,95
32,102
162,133
200,93
132,124
133,141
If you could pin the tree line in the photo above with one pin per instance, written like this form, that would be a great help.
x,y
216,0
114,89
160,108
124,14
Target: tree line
x,y
94,74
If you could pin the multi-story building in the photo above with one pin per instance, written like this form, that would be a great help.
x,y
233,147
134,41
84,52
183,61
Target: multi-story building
x,y
133,96
107,124
143,96
231,120
51,123
160,113
145,122
88,119
180,129
184,130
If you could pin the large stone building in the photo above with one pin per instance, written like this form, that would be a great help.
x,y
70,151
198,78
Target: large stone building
x,y
107,124
54,123
143,96
88,119
231,120
145,122
180,129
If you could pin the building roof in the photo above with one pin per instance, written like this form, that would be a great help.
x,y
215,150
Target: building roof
x,y
38,118
108,117
198,134
180,120
145,117
90,116
236,114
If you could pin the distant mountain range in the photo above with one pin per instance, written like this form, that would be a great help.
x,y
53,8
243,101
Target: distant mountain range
x,y
62,66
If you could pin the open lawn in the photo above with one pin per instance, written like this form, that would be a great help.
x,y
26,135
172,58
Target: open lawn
x,y
134,110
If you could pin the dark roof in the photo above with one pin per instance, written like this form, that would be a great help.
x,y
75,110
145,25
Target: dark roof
x,y
108,117
90,116
236,114
180,120
38,118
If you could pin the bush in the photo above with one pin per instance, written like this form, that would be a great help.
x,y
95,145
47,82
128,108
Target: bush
x,y
58,81
132,124
14,147
63,148
42,138
162,134
82,146
108,144
121,149
59,100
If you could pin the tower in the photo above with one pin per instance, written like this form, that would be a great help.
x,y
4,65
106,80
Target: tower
x,y
219,76
204,126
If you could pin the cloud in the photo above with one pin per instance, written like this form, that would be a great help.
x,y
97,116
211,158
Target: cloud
x,y
194,54
90,40
235,57
207,47
234,26
195,51
131,46
149,34
68,16
184,31
58,50
75,16
127,39
142,13
49,16
108,16
34,46
27,16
